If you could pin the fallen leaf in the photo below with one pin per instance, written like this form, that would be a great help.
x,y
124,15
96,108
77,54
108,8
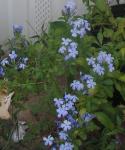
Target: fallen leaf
x,y
5,101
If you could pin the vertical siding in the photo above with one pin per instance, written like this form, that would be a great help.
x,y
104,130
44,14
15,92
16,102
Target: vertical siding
x,y
23,11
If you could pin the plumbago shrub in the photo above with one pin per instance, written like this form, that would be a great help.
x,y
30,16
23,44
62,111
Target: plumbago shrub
x,y
91,48
77,71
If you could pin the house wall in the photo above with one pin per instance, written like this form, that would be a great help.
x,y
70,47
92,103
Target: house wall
x,y
12,12
31,14
4,30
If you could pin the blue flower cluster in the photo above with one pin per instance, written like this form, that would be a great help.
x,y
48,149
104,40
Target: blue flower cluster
x,y
77,85
101,63
66,113
79,27
70,8
86,82
13,59
68,49
17,29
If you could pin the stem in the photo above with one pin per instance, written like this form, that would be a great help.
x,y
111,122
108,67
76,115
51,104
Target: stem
x,y
10,43
37,83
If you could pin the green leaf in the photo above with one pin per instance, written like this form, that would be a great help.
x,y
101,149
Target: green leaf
x,y
108,91
81,61
101,5
122,52
122,78
120,86
78,142
108,33
105,120
100,37
82,111
108,82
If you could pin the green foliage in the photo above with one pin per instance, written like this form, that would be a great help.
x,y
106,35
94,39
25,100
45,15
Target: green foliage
x,y
47,75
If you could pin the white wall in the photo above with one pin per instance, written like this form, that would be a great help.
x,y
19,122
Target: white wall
x,y
4,28
18,14
21,11
12,12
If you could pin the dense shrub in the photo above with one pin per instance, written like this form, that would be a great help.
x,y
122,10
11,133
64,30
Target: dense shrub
x,y
77,71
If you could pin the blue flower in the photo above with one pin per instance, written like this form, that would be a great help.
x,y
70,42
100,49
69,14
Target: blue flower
x,y
74,32
72,54
101,57
104,57
4,62
98,64
86,82
13,55
85,77
87,25
62,111
58,102
62,50
66,41
69,105
97,68
1,72
66,146
63,135
111,67
91,83
48,141
17,29
66,125
70,97
88,117
22,66
74,111
73,45
70,8
79,27
74,123
68,49
77,85
109,59
24,60
91,61
23,63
